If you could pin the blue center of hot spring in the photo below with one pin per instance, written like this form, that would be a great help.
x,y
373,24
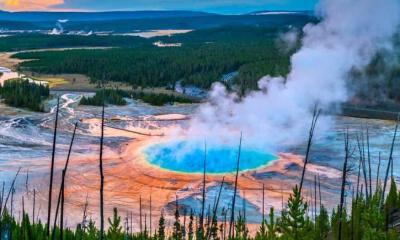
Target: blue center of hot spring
x,y
187,157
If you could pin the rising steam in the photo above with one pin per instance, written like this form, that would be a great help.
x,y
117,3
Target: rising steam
x,y
348,36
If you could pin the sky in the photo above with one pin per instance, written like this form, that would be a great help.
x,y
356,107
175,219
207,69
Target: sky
x,y
217,6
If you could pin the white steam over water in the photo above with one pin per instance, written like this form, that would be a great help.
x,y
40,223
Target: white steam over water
x,y
348,36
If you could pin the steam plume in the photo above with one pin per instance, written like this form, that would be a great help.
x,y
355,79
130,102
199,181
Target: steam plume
x,y
348,36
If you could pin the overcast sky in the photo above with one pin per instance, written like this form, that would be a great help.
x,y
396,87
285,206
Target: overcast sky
x,y
218,6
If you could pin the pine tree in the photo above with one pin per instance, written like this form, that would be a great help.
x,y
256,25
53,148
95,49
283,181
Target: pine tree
x,y
191,232
92,231
177,233
161,227
115,229
322,224
294,223
392,201
241,231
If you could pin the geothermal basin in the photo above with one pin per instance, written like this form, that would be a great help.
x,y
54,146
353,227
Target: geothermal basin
x,y
189,156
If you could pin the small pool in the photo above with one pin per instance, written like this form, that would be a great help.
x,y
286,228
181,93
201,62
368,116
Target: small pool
x,y
183,156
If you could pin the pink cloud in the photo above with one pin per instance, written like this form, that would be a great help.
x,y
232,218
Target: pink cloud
x,y
26,5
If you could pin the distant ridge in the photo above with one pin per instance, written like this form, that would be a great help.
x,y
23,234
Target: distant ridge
x,y
96,16
281,12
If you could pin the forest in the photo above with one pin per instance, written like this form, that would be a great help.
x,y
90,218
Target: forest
x,y
22,42
24,94
116,97
196,63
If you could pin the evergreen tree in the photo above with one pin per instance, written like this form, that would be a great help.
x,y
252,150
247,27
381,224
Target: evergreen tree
x,y
191,231
294,223
322,224
177,233
115,229
161,227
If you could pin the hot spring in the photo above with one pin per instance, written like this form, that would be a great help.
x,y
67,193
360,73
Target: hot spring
x,y
188,157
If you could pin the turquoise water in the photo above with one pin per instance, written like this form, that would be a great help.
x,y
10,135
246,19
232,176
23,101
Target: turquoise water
x,y
189,157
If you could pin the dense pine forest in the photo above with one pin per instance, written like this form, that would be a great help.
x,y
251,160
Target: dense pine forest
x,y
25,94
203,59
22,42
116,97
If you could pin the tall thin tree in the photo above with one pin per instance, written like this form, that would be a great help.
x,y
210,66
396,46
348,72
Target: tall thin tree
x,y
390,161
53,154
232,220
101,171
344,176
369,164
316,114
378,171
201,221
61,191
215,209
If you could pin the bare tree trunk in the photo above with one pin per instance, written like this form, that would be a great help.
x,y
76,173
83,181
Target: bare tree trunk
x,y
52,169
319,190
390,162
11,191
62,212
150,218
131,223
231,230
61,192
102,173
310,137
204,191
263,203
2,197
140,214
362,160
34,206
369,164
215,209
358,179
378,171
315,198
344,175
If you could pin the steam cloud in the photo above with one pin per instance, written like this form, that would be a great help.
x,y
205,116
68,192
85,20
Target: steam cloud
x,y
349,35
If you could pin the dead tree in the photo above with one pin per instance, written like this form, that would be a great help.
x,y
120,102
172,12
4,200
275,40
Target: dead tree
x,y
389,163
310,137
344,175
140,214
60,199
215,209
34,206
378,171
369,164
102,173
360,145
315,198
263,204
11,191
232,220
52,168
150,218
319,191
203,191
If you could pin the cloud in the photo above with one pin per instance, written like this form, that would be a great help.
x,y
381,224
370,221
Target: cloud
x,y
28,5
221,6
